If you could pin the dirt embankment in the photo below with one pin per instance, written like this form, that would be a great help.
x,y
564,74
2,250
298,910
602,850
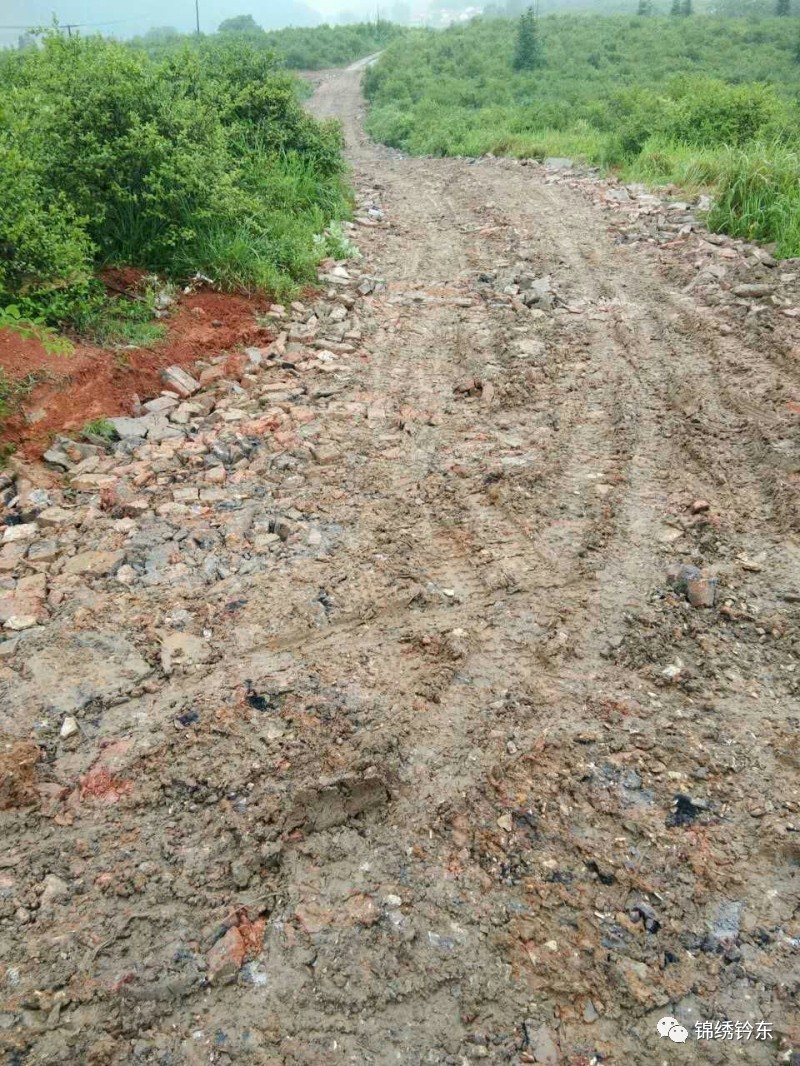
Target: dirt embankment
x,y
67,391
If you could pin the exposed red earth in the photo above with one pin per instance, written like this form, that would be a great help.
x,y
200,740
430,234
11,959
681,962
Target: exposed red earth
x,y
98,382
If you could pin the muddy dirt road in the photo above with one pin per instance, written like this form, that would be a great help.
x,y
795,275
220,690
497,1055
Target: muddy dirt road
x,y
436,695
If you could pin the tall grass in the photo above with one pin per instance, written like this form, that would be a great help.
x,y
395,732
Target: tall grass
x,y
277,244
758,197
664,162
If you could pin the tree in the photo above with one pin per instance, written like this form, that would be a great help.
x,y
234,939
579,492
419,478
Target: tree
x,y
676,8
783,7
686,7
528,49
645,8
239,24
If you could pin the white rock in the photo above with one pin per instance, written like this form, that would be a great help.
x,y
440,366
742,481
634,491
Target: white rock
x,y
69,727
126,575
176,378
54,890
18,622
673,671
25,531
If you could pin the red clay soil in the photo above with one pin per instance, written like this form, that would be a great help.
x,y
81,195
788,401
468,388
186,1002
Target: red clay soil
x,y
94,382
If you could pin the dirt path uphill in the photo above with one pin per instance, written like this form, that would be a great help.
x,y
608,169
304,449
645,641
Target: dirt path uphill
x,y
462,724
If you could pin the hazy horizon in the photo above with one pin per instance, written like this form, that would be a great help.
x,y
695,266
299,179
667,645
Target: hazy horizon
x,y
129,20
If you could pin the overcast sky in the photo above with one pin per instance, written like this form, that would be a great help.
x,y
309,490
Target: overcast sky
x,y
130,17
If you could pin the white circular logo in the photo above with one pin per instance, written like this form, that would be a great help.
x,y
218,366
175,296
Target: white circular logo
x,y
671,1027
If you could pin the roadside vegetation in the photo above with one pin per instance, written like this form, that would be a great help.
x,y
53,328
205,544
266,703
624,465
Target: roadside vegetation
x,y
696,101
201,161
298,48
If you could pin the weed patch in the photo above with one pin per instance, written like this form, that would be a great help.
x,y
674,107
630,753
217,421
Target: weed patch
x,y
701,102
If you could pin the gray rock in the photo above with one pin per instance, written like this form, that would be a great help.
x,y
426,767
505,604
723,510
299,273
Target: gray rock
x,y
680,576
183,649
126,428
590,1012
177,379
753,291
34,501
57,458
66,675
162,429
43,551
541,1043
536,292
160,404
55,891
95,563
530,348
726,920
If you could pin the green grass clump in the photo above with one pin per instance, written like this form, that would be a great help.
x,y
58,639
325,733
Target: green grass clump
x,y
116,322
663,162
100,427
758,197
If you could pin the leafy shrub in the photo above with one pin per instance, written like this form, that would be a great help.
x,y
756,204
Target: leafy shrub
x,y
140,153
591,63
44,246
661,99
635,114
298,48
203,160
708,112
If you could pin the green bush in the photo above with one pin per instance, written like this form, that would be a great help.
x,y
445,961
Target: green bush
x,y
201,160
700,80
634,116
298,48
709,112
685,101
44,247
139,152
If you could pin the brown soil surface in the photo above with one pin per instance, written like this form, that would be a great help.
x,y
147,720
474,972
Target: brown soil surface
x,y
94,382
395,741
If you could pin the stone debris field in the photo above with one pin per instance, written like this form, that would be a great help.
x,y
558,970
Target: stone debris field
x,y
420,685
